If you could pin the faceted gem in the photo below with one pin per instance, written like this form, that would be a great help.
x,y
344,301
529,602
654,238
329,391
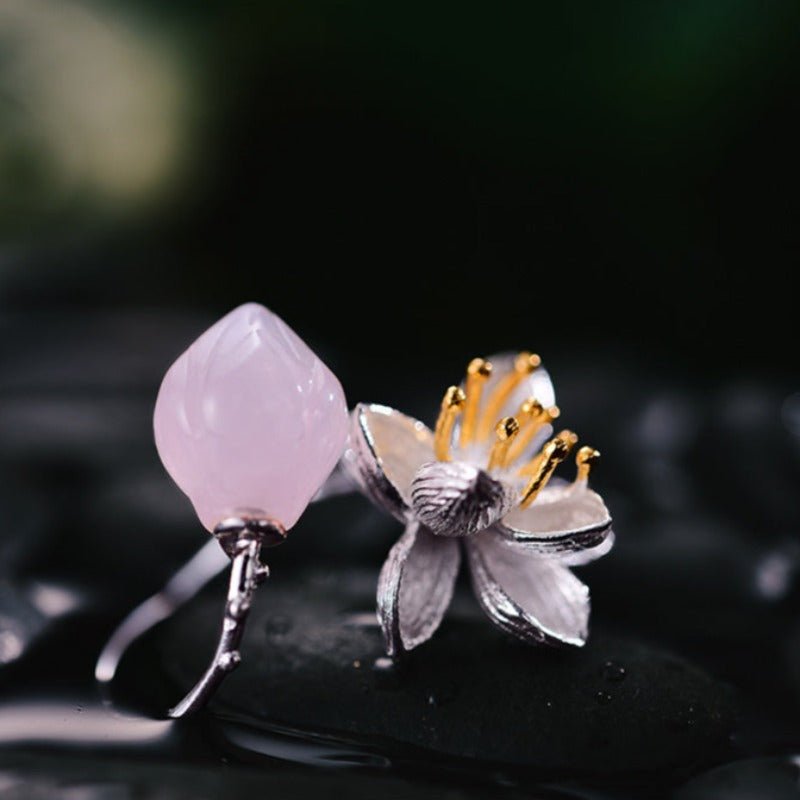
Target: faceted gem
x,y
249,420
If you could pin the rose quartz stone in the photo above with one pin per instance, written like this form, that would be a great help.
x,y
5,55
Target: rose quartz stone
x,y
249,419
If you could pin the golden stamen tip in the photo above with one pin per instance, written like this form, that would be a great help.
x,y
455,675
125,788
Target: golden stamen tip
x,y
454,397
587,455
554,412
542,467
568,437
584,460
452,405
527,362
507,428
531,408
479,367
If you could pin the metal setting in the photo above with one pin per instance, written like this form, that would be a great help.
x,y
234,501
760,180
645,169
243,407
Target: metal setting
x,y
237,543
242,539
202,567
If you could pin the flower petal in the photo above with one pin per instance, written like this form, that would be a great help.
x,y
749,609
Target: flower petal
x,y
581,557
565,518
384,452
415,587
538,600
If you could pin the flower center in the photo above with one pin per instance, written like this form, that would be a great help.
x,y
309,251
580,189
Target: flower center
x,y
513,434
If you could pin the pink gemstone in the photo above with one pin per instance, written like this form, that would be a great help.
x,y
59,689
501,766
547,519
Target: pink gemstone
x,y
249,419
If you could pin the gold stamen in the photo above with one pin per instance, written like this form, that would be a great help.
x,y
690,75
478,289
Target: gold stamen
x,y
524,364
566,437
506,430
569,438
584,459
536,418
553,453
478,373
529,409
452,404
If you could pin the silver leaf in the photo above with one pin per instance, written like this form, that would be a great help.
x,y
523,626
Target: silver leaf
x,y
454,498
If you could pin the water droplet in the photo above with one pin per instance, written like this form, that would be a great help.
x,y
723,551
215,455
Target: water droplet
x,y
604,698
387,673
442,695
614,672
357,664
685,718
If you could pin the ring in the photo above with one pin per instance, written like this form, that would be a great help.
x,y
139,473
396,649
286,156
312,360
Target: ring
x,y
251,426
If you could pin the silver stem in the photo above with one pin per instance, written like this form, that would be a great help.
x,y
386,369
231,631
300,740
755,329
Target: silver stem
x,y
247,573
204,565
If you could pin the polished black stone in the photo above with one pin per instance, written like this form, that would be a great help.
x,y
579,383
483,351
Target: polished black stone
x,y
472,693
116,776
750,779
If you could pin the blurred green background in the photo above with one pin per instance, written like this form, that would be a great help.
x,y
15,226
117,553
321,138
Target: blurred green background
x,y
397,179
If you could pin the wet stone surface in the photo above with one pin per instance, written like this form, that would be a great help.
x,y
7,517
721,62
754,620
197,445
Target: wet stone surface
x,y
751,779
28,776
25,523
313,661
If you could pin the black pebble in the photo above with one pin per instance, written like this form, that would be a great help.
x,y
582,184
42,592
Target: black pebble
x,y
471,692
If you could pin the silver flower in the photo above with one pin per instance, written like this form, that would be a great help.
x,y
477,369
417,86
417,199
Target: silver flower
x,y
463,483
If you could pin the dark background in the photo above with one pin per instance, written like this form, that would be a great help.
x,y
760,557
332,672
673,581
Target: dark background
x,y
400,181
612,185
